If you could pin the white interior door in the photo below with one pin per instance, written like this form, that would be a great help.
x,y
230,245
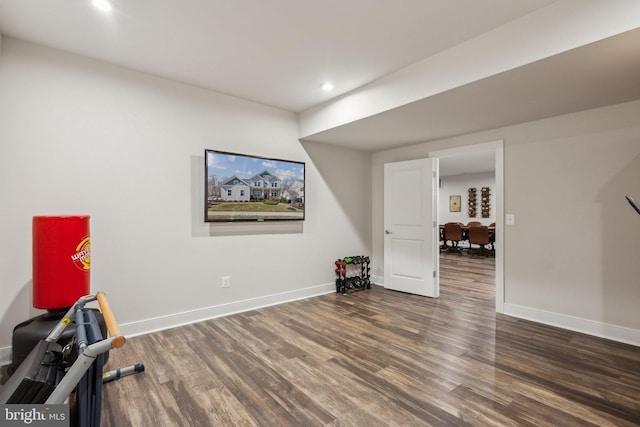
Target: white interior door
x,y
410,240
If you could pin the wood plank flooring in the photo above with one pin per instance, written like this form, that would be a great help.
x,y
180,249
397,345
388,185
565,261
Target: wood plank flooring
x,y
377,358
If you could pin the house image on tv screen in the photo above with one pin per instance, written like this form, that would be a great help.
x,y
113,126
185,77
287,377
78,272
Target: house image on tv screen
x,y
263,186
295,192
235,192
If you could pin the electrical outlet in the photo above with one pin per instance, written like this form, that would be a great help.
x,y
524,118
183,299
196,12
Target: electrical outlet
x,y
226,281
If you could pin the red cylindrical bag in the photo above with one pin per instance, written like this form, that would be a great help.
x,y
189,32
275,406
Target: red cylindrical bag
x,y
61,260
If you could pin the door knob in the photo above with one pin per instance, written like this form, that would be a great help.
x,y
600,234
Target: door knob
x,y
387,232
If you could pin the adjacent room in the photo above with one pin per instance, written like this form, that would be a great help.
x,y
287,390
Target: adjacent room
x,y
262,190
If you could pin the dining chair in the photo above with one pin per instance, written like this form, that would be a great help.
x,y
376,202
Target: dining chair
x,y
479,235
453,234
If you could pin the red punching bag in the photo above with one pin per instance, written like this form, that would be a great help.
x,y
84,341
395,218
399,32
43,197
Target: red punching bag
x,y
61,260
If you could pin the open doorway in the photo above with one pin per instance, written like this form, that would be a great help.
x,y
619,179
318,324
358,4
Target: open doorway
x,y
477,166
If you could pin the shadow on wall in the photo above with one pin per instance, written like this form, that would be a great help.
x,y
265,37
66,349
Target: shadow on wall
x,y
347,174
620,240
19,310
198,227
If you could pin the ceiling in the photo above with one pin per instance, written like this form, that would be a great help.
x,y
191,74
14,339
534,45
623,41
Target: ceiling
x,y
467,163
275,52
603,73
280,52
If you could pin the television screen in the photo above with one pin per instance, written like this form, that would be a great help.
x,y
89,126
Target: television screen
x,y
239,187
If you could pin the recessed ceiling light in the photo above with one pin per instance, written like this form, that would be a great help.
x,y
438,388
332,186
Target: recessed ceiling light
x,y
327,87
103,5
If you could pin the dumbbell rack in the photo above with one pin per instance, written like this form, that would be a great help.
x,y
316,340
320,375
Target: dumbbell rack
x,y
354,278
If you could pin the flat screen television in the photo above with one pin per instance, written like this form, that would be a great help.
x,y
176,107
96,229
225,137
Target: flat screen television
x,y
240,187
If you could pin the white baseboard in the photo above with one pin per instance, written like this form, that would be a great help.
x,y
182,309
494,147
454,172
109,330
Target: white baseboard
x,y
146,326
378,280
590,327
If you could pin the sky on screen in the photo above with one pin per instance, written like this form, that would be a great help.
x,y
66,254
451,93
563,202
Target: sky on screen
x,y
227,165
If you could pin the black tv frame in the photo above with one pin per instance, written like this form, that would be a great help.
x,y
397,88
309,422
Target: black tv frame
x,y
258,189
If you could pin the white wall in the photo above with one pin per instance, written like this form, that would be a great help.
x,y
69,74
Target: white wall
x,y
571,259
80,136
458,185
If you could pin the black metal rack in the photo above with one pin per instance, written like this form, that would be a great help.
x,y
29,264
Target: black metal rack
x,y
352,273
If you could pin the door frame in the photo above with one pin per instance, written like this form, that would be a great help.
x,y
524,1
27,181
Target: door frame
x,y
498,148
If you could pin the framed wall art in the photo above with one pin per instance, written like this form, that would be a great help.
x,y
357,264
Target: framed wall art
x,y
454,203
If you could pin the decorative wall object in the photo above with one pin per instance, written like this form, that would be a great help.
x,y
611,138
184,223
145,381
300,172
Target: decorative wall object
x,y
454,203
472,202
485,205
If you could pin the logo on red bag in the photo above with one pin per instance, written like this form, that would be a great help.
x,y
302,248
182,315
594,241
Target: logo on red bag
x,y
82,257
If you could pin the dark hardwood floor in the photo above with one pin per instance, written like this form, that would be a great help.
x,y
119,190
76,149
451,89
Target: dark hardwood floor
x,y
377,358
